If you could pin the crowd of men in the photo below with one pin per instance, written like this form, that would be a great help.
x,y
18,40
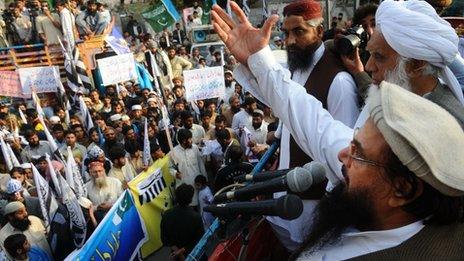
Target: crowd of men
x,y
26,22
406,149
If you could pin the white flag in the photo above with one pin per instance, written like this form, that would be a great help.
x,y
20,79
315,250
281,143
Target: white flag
x,y
47,200
78,223
51,141
36,100
23,118
73,176
6,154
53,176
146,158
13,158
86,114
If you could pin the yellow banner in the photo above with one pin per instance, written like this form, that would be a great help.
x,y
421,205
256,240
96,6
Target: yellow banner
x,y
151,191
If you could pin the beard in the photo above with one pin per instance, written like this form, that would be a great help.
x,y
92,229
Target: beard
x,y
336,211
22,225
235,109
300,58
399,75
100,182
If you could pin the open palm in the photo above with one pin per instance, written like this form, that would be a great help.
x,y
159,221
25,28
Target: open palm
x,y
241,37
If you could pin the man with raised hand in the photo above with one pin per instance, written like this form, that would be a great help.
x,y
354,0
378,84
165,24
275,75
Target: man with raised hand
x,y
315,131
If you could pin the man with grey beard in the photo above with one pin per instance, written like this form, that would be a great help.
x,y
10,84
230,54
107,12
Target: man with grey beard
x,y
398,51
103,191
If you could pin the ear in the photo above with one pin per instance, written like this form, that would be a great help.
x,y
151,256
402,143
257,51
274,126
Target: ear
x,y
320,31
399,191
414,68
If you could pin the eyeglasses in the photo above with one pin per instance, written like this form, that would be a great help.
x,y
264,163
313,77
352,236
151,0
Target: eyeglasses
x,y
354,154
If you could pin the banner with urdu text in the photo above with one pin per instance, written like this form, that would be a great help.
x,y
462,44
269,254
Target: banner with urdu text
x,y
119,235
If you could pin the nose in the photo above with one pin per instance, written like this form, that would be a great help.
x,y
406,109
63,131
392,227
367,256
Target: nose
x,y
370,67
344,156
289,40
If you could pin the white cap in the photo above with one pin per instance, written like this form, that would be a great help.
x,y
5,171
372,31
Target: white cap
x,y
136,107
125,118
26,166
259,111
115,117
84,202
13,186
55,119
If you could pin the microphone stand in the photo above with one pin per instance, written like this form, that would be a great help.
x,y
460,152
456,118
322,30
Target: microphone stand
x,y
199,249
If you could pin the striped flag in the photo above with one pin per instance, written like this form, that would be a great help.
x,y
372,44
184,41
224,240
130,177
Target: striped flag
x,y
151,187
78,223
48,203
72,78
146,158
81,70
246,9
266,13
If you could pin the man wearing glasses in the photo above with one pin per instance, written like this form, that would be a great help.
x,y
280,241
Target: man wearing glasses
x,y
397,186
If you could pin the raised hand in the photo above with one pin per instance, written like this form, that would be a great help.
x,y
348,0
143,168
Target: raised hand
x,y
241,37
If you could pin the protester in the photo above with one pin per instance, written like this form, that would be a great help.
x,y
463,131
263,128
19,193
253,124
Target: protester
x,y
181,226
102,191
19,221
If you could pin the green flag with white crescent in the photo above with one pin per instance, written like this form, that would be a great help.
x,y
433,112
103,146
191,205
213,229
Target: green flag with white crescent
x,y
160,15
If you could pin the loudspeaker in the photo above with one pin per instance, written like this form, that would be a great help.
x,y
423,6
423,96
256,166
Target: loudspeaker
x,y
203,33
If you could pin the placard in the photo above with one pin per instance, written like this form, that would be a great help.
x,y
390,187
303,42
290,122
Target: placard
x,y
117,69
10,85
41,79
204,83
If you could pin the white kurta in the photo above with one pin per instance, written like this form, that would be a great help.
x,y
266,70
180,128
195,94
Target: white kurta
x,y
314,128
354,243
108,194
190,164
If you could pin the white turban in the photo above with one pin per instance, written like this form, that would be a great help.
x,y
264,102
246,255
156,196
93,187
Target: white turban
x,y
414,30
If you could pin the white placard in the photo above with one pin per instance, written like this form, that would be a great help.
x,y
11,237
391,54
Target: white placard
x,y
204,83
117,69
41,79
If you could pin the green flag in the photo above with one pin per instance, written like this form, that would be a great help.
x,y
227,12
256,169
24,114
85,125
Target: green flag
x,y
161,14
206,17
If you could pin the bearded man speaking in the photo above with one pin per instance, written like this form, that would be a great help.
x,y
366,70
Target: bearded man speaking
x,y
325,139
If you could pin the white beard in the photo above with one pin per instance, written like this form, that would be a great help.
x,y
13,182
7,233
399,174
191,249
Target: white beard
x,y
399,76
100,182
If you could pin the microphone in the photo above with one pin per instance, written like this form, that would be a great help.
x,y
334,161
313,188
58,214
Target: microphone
x,y
267,175
287,207
298,181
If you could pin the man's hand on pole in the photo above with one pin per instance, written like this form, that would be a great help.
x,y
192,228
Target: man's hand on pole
x,y
241,37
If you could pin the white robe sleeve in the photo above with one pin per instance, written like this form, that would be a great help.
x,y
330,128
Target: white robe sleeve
x,y
342,100
314,129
